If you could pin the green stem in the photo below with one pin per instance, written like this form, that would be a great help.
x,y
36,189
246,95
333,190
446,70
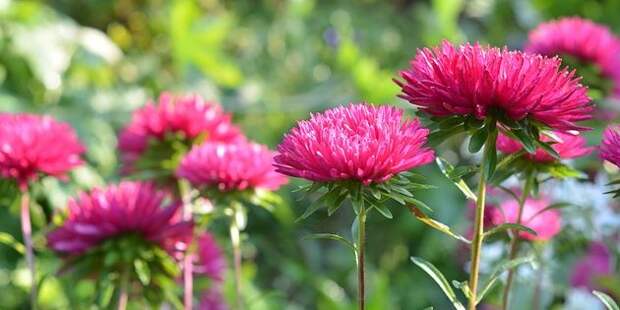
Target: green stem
x,y
476,245
123,296
235,239
514,242
361,245
27,234
188,275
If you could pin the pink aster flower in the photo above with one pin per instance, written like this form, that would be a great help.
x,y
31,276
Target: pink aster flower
x,y
568,146
546,223
474,80
582,39
357,142
33,144
596,263
237,166
189,116
610,146
126,208
211,260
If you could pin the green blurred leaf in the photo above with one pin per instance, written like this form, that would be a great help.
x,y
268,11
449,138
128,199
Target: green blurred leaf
x,y
497,272
334,237
439,278
609,303
508,226
11,242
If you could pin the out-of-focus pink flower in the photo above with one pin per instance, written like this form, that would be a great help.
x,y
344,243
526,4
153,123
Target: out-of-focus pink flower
x,y
568,146
212,299
33,144
357,142
610,146
546,223
190,116
211,261
237,166
473,80
596,263
126,208
582,39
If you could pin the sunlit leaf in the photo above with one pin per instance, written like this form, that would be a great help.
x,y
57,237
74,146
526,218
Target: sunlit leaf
x,y
436,224
609,303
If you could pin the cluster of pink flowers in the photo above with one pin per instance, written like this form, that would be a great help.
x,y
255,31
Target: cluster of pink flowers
x,y
31,145
236,166
580,38
567,146
472,80
189,116
595,264
358,142
126,208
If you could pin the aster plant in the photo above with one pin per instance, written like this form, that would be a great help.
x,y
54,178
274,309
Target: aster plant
x,y
32,146
361,153
590,47
484,91
233,176
130,237
160,134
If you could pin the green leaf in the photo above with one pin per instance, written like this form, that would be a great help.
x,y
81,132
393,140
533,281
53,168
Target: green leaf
x,y
529,143
439,136
8,240
437,225
547,147
562,171
508,226
314,206
143,271
463,286
558,205
497,272
384,210
477,140
439,278
606,300
447,169
334,237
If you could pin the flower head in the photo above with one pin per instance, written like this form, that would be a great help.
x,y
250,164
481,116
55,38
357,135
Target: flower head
x,y
546,223
33,144
596,263
357,142
129,208
610,146
568,146
580,38
476,80
237,166
189,117
211,261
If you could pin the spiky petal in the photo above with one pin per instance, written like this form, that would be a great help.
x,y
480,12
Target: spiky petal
x,y
610,146
475,80
358,142
237,166
127,208
34,144
583,39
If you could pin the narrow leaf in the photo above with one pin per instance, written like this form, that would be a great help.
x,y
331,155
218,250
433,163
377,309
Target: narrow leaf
x,y
606,300
384,210
497,272
334,237
11,242
447,169
436,224
508,226
477,140
439,278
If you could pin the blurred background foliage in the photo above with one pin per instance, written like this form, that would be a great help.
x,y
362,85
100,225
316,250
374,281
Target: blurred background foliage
x,y
270,62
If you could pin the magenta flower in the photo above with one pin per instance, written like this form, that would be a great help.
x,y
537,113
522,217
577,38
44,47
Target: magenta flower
x,y
31,145
610,146
475,80
237,166
127,208
213,299
546,223
596,263
568,146
583,39
357,142
189,116
211,260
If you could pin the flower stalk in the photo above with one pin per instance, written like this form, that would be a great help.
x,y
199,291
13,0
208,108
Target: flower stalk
x,y
27,234
123,296
361,246
235,239
514,242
